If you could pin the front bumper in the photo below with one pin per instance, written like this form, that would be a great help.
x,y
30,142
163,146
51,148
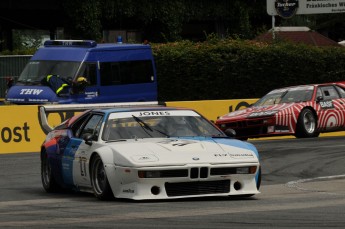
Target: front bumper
x,y
251,128
199,181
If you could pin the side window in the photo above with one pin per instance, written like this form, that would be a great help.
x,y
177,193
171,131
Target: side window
x,y
76,128
126,72
89,71
329,92
341,91
319,93
92,126
110,74
136,72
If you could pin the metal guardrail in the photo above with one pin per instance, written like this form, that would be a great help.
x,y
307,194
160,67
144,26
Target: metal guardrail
x,y
11,66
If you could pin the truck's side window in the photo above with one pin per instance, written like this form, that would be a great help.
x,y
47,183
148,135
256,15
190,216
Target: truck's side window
x,y
127,72
90,73
110,74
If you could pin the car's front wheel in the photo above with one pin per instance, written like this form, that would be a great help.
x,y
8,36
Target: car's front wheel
x,y
306,124
99,180
47,178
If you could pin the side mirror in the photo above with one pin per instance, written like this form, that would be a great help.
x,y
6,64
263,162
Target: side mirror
x,y
319,98
9,82
88,139
230,132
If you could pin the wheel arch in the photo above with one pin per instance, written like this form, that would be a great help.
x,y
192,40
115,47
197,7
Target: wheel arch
x,y
312,110
106,155
43,149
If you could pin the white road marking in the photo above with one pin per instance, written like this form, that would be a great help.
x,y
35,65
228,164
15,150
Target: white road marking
x,y
297,184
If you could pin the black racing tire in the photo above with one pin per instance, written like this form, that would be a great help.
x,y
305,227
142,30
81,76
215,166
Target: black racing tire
x,y
48,181
306,124
99,180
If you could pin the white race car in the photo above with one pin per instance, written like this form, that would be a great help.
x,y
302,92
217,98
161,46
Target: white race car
x,y
147,153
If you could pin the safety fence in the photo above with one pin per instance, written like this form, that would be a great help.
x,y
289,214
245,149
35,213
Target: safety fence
x,y
11,67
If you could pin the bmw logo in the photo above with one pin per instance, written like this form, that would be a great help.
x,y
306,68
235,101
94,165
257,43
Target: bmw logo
x,y
195,158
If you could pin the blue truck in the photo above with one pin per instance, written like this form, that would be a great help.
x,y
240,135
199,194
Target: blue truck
x,y
82,71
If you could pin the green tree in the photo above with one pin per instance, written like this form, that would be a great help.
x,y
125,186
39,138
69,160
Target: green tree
x,y
163,20
84,18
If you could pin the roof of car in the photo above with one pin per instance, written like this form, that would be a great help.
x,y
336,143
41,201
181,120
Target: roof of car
x,y
320,84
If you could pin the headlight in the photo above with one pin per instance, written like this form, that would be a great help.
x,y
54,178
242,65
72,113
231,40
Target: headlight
x,y
149,174
262,114
163,173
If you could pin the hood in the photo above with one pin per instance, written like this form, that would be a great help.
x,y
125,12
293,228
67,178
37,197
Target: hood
x,y
177,151
255,111
30,94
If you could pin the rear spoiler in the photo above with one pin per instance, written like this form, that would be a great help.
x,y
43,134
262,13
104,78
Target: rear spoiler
x,y
44,110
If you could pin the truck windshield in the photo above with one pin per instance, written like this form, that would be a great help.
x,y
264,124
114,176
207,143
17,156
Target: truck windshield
x,y
35,71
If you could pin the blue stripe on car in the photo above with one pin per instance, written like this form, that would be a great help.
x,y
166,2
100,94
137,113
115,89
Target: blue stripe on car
x,y
67,160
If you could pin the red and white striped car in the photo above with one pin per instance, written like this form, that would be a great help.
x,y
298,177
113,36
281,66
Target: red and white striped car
x,y
304,111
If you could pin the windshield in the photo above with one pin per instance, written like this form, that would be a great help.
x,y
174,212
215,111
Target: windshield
x,y
288,95
170,125
35,71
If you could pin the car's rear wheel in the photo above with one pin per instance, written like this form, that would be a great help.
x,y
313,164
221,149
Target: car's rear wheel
x,y
47,178
306,124
99,180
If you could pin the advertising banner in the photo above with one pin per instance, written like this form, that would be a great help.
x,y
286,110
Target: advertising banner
x,y
288,8
24,128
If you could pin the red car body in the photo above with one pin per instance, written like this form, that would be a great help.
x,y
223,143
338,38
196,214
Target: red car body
x,y
303,111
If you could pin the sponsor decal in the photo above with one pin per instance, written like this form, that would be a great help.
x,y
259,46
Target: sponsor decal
x,y
175,142
154,113
286,8
91,94
15,134
30,91
144,158
128,190
239,106
326,104
240,155
82,165
234,155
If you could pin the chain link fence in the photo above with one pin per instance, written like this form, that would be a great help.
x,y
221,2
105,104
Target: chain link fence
x,y
11,67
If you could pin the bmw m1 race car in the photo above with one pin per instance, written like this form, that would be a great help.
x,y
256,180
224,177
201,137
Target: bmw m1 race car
x,y
147,153
304,111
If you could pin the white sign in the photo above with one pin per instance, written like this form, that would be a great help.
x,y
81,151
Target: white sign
x,y
311,6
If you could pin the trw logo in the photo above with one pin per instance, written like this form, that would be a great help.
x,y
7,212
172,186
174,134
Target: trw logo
x,y
30,91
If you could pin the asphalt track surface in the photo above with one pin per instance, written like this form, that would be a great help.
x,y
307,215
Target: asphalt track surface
x,y
303,187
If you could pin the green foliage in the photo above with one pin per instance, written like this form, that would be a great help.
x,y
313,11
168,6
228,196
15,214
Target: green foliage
x,y
84,16
164,20
234,69
27,51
